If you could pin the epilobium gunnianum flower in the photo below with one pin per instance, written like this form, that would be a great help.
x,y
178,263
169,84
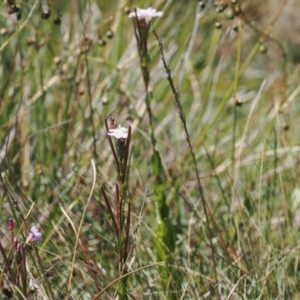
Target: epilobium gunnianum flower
x,y
141,20
11,224
119,133
34,235
145,14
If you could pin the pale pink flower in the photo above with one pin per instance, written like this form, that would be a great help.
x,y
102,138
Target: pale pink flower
x,y
119,133
34,235
146,14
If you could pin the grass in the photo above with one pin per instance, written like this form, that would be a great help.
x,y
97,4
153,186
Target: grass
x,y
201,201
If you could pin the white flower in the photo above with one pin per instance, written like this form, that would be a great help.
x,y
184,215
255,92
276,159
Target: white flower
x,y
146,14
119,133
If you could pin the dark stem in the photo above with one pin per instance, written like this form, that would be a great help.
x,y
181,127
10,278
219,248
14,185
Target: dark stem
x,y
7,265
183,120
124,169
127,233
112,147
109,209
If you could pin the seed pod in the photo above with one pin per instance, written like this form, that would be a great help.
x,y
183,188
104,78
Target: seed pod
x,y
45,9
102,42
202,4
4,31
46,14
218,25
57,20
263,48
230,14
109,34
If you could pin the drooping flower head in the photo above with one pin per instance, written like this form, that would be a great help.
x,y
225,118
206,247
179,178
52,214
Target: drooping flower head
x,y
119,133
34,235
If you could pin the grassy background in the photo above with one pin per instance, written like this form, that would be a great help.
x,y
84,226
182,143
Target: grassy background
x,y
59,83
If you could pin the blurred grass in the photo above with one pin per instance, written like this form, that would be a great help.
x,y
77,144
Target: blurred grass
x,y
59,84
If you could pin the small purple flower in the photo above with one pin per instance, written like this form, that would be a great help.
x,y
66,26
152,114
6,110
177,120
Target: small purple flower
x,y
11,224
34,235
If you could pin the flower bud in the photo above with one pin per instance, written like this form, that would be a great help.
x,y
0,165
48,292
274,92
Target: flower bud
x,y
11,224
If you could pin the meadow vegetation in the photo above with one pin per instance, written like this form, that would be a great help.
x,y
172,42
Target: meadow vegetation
x,y
195,196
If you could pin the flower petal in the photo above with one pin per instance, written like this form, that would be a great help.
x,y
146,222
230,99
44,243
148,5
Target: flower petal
x,y
34,235
119,133
146,14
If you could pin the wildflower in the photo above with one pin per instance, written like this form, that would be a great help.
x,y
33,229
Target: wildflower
x,y
119,133
34,235
11,224
141,21
145,14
